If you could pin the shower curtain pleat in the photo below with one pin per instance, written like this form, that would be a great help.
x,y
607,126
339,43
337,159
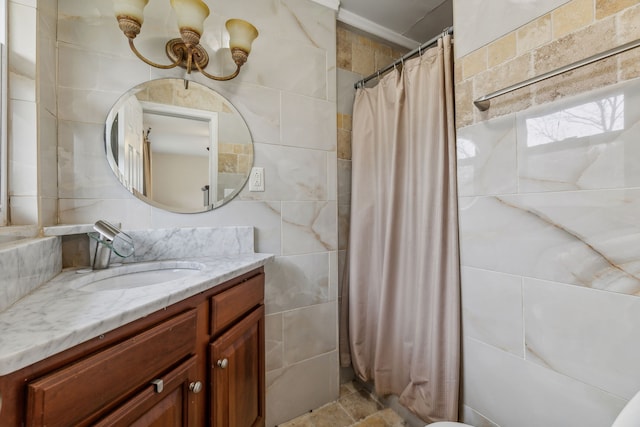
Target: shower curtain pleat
x,y
404,277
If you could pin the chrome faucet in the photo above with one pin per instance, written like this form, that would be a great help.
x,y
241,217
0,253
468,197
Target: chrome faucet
x,y
109,238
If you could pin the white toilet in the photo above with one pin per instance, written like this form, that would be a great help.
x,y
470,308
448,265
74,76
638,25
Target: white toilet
x,y
628,417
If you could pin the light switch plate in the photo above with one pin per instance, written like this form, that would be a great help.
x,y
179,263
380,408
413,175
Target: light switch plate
x,y
256,179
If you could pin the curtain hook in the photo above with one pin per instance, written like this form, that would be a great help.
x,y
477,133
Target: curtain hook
x,y
378,74
402,60
420,50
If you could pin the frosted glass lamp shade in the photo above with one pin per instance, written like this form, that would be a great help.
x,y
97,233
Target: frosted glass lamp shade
x,y
130,8
191,14
241,34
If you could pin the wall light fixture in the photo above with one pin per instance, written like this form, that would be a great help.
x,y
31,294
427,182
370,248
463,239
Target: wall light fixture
x,y
186,51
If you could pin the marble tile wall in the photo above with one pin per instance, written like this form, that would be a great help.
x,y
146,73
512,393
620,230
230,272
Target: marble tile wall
x,y
188,242
550,253
287,94
32,112
548,209
23,115
25,265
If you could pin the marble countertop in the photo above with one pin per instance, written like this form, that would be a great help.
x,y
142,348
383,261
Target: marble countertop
x,y
59,314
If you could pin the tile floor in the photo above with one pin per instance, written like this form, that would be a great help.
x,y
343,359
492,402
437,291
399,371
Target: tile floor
x,y
355,407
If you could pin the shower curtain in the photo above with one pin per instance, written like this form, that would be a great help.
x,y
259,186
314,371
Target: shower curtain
x,y
404,285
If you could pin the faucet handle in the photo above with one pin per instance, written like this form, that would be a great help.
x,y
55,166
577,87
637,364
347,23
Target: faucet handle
x,y
106,229
120,242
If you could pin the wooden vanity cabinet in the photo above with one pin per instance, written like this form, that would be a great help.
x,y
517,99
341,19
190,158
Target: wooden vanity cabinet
x,y
237,375
160,370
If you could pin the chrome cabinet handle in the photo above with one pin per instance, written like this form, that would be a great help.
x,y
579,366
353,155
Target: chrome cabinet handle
x,y
158,385
195,387
223,363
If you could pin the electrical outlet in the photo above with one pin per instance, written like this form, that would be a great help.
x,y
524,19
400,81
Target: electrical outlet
x,y
256,179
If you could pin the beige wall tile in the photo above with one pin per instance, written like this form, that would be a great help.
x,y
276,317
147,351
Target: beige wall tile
x,y
534,34
502,50
347,121
382,59
500,77
343,55
571,17
363,41
518,100
343,35
474,63
593,76
398,53
381,48
464,103
457,71
629,64
575,46
363,61
503,75
629,24
344,144
606,8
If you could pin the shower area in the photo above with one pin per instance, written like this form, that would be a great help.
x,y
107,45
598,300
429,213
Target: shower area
x,y
548,208
397,205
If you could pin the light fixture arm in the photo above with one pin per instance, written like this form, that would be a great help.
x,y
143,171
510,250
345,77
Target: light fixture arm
x,y
221,78
153,64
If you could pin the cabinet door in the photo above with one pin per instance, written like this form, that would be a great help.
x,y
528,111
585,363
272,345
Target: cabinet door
x,y
237,374
165,405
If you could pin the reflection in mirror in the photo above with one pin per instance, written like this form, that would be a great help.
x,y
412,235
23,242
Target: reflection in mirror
x,y
183,150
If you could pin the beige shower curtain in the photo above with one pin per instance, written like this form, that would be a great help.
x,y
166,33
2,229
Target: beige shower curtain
x,y
404,291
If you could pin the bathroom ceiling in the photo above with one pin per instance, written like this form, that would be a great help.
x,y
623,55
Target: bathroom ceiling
x,y
404,22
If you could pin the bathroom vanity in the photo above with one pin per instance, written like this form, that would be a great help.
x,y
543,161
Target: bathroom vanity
x,y
186,352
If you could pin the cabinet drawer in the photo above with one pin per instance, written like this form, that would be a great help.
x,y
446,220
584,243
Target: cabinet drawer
x,y
169,407
78,393
228,306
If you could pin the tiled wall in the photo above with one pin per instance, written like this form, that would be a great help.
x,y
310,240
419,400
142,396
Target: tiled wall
x,y
549,228
574,31
478,22
32,112
26,264
286,94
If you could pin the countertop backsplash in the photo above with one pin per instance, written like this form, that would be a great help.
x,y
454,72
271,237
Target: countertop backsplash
x,y
25,265
190,242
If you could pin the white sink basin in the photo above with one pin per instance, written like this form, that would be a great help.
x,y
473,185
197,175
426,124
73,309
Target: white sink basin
x,y
135,276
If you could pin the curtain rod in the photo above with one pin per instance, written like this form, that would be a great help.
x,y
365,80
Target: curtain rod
x,y
419,49
483,103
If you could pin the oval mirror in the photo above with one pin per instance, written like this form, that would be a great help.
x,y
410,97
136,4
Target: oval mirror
x,y
183,150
